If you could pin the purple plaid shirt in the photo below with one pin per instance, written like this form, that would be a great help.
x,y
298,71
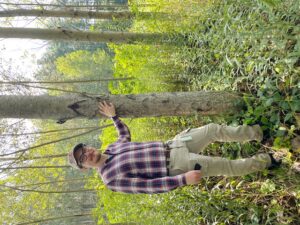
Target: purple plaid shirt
x,y
137,167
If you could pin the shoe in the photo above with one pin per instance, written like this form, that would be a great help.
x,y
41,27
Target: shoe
x,y
275,163
259,133
263,137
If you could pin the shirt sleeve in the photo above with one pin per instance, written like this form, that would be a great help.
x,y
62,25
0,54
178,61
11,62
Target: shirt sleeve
x,y
149,186
124,133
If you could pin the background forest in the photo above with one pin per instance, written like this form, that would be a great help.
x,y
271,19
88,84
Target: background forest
x,y
250,47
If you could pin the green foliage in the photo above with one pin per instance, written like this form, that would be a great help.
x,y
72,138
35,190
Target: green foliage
x,y
251,47
83,63
148,64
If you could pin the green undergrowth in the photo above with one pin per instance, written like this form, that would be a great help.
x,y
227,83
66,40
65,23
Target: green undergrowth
x,y
250,47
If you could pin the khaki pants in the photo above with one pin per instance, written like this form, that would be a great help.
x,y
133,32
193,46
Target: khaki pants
x,y
187,145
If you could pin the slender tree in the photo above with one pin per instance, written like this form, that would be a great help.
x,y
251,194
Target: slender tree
x,y
55,218
67,181
33,158
71,216
76,14
48,131
66,81
67,5
22,151
34,167
74,35
44,192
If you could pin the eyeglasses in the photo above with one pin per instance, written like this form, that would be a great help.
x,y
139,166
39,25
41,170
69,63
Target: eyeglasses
x,y
82,157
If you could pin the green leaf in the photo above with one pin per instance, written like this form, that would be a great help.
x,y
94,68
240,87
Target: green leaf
x,y
264,120
295,106
288,117
267,187
269,102
275,118
285,105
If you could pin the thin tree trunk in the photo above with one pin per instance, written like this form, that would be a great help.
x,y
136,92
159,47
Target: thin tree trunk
x,y
76,14
71,6
65,81
67,107
48,131
74,35
46,192
32,158
34,167
72,216
55,141
54,182
54,89
56,218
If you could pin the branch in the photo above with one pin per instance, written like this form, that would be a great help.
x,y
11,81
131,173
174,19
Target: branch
x,y
55,141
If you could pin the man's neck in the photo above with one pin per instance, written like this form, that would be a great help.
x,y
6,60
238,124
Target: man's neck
x,y
104,157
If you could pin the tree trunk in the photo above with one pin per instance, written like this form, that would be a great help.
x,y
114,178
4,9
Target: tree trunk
x,y
56,218
76,14
71,6
34,167
46,192
74,180
73,35
48,131
67,107
66,81
33,158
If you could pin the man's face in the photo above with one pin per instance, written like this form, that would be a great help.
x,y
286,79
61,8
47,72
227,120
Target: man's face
x,y
88,157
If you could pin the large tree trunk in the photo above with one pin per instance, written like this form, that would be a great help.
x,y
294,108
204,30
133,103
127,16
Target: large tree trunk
x,y
67,107
69,35
74,14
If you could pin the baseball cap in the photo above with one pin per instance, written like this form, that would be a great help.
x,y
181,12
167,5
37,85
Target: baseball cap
x,y
71,156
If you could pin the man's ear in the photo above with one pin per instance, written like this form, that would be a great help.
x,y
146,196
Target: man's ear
x,y
84,170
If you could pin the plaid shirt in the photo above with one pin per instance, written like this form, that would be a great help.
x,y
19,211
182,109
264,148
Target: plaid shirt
x,y
137,167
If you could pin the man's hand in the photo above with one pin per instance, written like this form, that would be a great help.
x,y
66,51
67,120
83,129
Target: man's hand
x,y
193,177
107,109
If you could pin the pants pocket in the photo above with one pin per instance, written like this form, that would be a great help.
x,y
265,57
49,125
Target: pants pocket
x,y
179,159
202,160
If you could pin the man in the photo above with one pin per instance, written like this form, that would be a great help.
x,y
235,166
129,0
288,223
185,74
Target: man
x,y
155,167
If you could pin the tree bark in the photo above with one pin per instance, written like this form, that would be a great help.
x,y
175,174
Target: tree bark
x,y
75,14
71,6
74,35
48,131
55,218
47,192
67,107
74,180
33,158
66,81
34,167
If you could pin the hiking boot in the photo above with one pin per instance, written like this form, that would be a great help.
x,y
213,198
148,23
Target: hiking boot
x,y
275,163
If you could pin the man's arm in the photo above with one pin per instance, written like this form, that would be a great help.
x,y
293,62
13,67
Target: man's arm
x,y
124,133
149,186
108,109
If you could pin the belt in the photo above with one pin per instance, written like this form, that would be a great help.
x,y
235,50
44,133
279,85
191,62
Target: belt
x,y
167,154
